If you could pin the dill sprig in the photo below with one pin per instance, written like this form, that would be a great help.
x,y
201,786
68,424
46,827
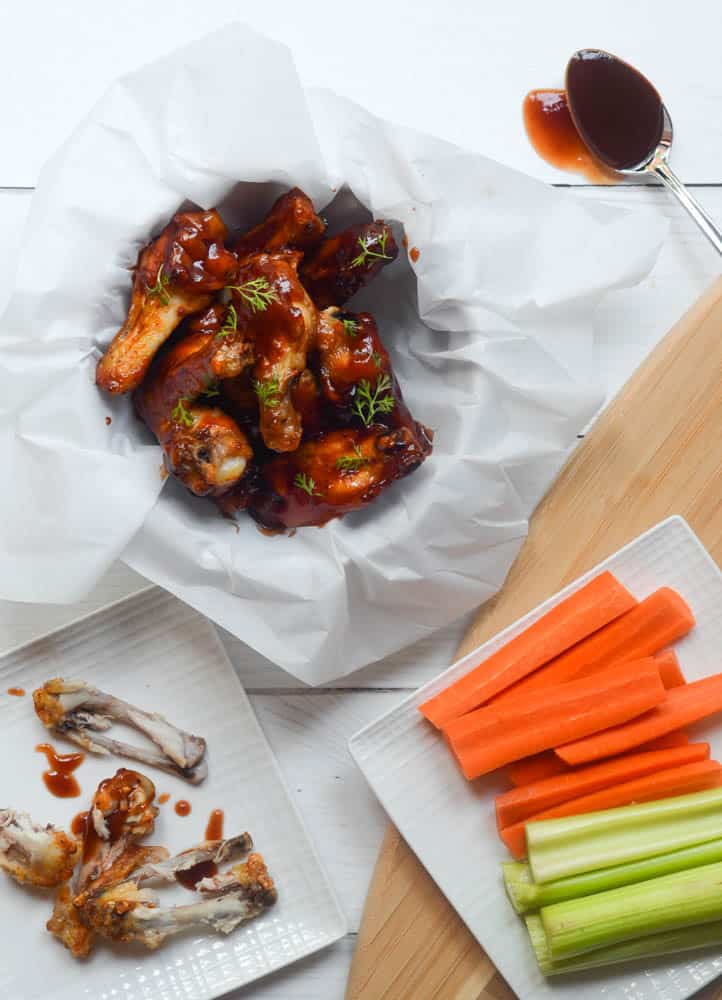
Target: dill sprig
x,y
160,288
350,327
352,463
378,360
180,414
368,402
366,243
268,392
306,483
210,392
230,322
256,293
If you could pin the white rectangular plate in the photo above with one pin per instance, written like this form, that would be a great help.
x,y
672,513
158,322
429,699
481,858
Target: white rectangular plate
x,y
450,824
161,655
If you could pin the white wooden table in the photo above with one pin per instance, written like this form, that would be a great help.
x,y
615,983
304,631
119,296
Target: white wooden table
x,y
54,67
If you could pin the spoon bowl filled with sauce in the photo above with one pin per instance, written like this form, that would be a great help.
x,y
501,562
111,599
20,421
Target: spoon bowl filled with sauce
x,y
608,122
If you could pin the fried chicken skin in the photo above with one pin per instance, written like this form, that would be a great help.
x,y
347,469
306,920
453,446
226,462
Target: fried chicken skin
x,y
275,311
66,925
345,263
202,445
339,471
35,855
292,224
175,276
348,350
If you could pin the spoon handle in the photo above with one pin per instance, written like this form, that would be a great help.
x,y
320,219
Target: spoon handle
x,y
675,185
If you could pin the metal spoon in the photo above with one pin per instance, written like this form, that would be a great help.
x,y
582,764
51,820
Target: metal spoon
x,y
657,164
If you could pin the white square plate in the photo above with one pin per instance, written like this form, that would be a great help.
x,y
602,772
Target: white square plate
x,y
161,655
450,823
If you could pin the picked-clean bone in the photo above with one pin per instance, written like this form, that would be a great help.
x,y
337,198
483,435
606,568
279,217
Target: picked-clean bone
x,y
128,913
216,851
82,713
33,854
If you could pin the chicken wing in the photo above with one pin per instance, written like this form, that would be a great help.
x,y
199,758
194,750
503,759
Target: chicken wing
x,y
292,224
348,350
122,812
340,471
35,855
275,311
126,912
81,713
213,852
174,277
344,263
66,925
202,445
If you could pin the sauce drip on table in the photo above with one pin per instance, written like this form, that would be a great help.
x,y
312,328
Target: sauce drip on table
x,y
17,692
182,807
59,779
552,133
616,111
214,827
162,799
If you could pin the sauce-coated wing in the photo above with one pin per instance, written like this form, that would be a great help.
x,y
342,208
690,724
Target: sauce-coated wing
x,y
276,313
344,263
174,277
292,224
340,471
202,444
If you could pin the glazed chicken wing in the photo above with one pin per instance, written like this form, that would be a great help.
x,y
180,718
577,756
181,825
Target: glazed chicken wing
x,y
292,224
35,855
174,277
66,925
340,471
275,311
202,445
344,263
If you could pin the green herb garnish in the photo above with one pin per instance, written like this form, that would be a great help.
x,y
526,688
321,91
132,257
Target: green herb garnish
x,y
369,402
367,254
268,392
378,360
257,293
160,288
181,415
230,322
350,327
352,463
306,484
210,392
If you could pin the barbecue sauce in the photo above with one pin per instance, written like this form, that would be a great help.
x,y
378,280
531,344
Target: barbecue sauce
x,y
616,111
552,133
59,779
77,827
214,828
17,692
182,807
190,877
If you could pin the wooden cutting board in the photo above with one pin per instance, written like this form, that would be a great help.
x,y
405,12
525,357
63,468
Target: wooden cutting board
x,y
655,451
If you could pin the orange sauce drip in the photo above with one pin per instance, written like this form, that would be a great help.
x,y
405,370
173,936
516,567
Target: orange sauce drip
x,y
59,779
214,827
182,807
17,692
162,799
554,136
78,825
414,254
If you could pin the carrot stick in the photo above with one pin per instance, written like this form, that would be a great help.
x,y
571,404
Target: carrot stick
x,y
585,611
490,737
521,803
655,622
669,669
665,784
682,706
678,738
535,768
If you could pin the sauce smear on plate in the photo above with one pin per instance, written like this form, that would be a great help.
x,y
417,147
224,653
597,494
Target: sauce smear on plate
x,y
59,779
214,827
552,133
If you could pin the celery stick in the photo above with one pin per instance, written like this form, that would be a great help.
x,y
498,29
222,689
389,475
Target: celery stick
x,y
661,904
526,895
652,946
573,844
